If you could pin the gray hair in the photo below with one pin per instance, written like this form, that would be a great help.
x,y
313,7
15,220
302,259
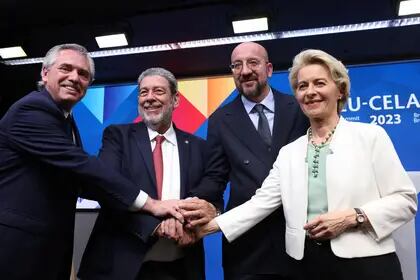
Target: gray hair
x,y
157,71
53,53
337,70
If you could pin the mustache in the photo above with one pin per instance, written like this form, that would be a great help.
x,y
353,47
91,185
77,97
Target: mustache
x,y
149,104
73,85
248,78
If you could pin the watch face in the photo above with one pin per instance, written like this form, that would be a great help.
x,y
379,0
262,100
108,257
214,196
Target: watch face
x,y
360,219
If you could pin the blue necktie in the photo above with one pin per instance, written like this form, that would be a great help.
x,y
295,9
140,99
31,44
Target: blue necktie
x,y
69,128
263,126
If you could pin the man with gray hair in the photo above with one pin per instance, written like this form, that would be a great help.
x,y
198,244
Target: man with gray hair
x,y
42,167
166,162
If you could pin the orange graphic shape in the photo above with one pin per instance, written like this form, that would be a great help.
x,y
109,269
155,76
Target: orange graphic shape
x,y
218,90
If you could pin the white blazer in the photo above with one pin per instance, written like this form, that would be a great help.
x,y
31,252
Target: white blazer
x,y
362,170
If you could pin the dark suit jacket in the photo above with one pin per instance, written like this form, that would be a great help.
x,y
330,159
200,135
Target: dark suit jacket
x,y
39,189
238,154
120,240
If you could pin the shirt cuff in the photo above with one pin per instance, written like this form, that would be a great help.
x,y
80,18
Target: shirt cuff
x,y
139,202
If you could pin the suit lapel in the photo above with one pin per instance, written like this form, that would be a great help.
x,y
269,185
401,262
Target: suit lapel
x,y
60,113
184,159
283,122
143,144
241,125
77,134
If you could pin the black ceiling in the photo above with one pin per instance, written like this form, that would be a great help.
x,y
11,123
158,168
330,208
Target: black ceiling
x,y
39,25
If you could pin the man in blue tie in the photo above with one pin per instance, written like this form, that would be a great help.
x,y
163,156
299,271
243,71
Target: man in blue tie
x,y
244,138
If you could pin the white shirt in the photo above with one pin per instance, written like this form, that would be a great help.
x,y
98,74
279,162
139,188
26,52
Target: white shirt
x,y
164,249
171,185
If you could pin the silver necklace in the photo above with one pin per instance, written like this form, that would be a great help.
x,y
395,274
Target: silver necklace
x,y
315,162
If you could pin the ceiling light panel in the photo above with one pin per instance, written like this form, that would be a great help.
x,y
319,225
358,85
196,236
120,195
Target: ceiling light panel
x,y
409,7
109,41
250,25
12,52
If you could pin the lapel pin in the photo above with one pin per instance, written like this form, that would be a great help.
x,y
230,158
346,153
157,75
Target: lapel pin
x,y
186,142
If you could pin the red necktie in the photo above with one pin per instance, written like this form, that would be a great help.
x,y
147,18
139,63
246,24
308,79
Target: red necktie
x,y
158,164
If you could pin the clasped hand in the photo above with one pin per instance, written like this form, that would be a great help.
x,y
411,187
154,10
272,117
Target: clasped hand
x,y
173,229
188,224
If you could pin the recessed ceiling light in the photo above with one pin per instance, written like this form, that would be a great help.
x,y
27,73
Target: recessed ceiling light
x,y
109,41
12,52
409,7
250,25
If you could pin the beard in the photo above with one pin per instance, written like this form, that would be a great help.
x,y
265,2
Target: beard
x,y
254,92
250,93
155,121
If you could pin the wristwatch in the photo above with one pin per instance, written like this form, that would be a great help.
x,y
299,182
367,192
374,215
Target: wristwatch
x,y
360,217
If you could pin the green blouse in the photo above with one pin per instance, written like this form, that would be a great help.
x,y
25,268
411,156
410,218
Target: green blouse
x,y
317,187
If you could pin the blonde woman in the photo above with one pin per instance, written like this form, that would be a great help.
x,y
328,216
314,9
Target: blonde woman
x,y
342,186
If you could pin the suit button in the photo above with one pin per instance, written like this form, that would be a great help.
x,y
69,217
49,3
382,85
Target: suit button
x,y
269,149
246,161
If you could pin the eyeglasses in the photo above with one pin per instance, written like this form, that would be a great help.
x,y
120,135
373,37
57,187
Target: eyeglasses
x,y
252,64
157,91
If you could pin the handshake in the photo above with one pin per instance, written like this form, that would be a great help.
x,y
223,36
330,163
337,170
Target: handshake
x,y
185,221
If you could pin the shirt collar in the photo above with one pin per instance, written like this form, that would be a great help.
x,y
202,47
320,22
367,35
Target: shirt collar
x,y
67,114
170,135
268,102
